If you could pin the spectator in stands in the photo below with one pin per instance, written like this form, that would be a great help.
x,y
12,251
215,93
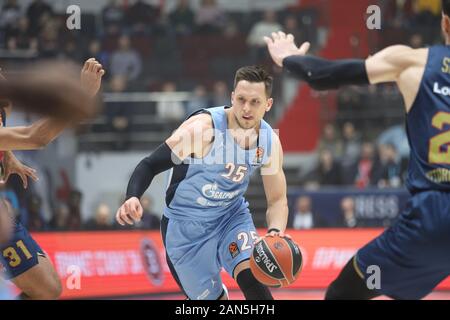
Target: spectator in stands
x,y
199,100
125,61
348,218
48,37
118,115
59,219
142,17
181,19
396,135
74,204
10,14
303,217
102,219
113,17
290,26
38,13
328,172
220,94
34,219
209,18
71,52
389,173
231,30
168,109
365,166
260,29
19,38
351,151
150,220
95,51
416,41
330,141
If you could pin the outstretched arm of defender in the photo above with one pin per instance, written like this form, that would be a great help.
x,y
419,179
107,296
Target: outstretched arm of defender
x,y
323,74
190,138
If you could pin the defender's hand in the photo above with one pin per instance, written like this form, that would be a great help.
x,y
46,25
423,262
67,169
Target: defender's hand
x,y
14,166
130,212
281,46
91,76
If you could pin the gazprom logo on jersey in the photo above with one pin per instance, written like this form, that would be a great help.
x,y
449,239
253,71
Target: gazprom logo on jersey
x,y
444,91
218,197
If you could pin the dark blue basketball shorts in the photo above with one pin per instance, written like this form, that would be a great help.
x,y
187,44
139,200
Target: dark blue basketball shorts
x,y
20,253
413,255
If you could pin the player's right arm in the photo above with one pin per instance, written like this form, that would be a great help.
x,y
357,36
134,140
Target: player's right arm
x,y
398,63
191,138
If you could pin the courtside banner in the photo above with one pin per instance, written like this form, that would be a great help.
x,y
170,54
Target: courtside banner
x,y
122,263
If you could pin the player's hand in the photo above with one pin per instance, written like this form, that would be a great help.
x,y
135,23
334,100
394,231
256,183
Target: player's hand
x,y
281,46
91,76
273,234
14,166
130,212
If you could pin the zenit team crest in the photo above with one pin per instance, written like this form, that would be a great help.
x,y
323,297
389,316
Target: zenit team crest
x,y
234,249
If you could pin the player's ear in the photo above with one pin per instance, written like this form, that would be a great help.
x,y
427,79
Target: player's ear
x,y
445,23
232,97
269,104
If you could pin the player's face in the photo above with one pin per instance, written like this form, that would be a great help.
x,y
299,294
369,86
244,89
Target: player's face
x,y
249,103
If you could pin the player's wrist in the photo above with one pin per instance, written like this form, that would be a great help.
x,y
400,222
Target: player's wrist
x,y
273,230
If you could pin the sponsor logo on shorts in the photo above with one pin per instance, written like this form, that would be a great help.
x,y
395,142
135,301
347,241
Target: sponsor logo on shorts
x,y
234,249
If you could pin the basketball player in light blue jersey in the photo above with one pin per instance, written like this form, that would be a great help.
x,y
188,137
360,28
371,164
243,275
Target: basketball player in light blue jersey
x,y
206,223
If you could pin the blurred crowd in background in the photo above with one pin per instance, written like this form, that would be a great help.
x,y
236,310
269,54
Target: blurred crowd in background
x,y
146,48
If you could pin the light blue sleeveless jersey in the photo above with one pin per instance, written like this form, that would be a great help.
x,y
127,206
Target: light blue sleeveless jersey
x,y
208,188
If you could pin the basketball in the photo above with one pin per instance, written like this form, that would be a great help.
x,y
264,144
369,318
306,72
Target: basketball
x,y
276,261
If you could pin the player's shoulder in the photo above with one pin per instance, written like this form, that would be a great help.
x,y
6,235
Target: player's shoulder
x,y
201,121
404,54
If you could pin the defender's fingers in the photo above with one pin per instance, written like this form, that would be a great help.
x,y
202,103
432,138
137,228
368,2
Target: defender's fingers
x,y
118,218
268,40
281,34
304,48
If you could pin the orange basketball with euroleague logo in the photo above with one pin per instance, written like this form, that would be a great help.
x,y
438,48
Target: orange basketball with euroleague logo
x,y
276,261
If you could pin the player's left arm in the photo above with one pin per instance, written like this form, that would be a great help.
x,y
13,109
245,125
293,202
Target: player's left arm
x,y
275,188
